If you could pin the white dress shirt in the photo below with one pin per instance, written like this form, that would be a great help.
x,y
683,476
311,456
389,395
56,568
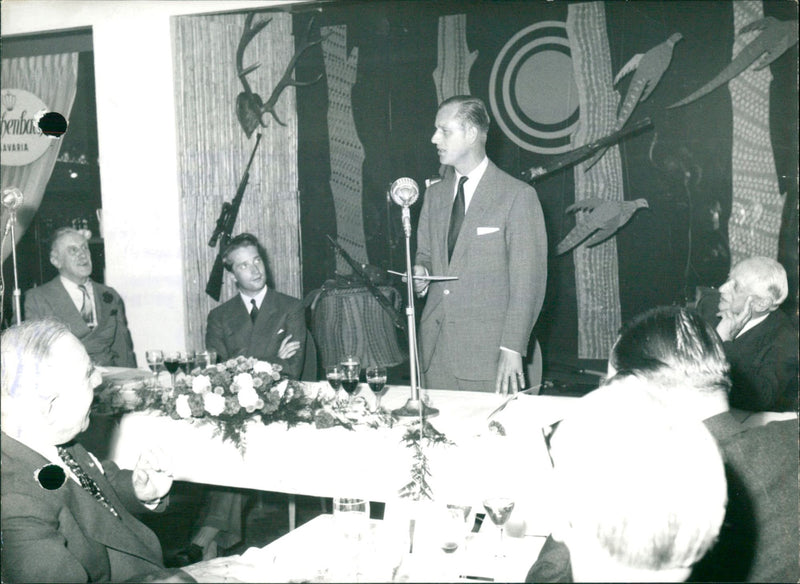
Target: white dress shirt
x,y
76,295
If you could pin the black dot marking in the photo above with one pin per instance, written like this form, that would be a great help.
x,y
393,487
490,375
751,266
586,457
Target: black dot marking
x,y
51,477
53,124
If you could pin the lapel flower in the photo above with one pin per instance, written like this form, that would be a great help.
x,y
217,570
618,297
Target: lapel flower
x,y
108,297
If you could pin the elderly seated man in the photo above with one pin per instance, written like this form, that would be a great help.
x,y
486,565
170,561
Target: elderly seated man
x,y
761,343
682,361
65,517
640,490
93,312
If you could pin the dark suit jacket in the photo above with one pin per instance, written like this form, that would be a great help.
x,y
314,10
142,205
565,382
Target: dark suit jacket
x,y
110,341
759,539
502,273
764,366
65,535
231,334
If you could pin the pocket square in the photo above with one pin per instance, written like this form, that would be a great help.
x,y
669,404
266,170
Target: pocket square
x,y
487,230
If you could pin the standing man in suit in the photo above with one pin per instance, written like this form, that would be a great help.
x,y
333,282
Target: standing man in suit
x,y
760,341
93,312
275,332
487,228
65,517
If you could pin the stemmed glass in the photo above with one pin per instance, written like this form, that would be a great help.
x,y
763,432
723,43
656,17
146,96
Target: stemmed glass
x,y
334,374
155,360
499,510
187,362
376,379
172,361
351,371
456,526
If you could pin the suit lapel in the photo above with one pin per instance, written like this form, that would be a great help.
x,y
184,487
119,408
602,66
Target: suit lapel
x,y
478,206
63,305
270,320
102,309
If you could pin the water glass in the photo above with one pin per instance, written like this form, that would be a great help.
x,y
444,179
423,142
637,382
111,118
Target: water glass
x,y
351,516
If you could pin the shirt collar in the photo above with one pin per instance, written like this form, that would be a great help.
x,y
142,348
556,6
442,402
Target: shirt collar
x,y
753,322
259,298
73,287
473,178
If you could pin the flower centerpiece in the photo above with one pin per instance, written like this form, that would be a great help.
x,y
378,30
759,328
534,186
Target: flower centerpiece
x,y
231,394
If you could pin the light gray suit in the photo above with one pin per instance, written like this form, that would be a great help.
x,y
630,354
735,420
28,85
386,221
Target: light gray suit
x,y
109,343
500,259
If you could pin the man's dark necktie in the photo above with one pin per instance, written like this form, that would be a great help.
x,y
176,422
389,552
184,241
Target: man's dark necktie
x,y
86,481
456,217
253,311
86,307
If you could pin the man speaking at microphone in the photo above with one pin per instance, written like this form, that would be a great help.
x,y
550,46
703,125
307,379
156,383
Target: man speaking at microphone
x,y
487,229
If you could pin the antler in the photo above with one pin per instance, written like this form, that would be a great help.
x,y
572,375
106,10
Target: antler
x,y
249,33
287,78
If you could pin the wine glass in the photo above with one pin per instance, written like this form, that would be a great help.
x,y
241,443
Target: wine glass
x,y
187,362
376,379
351,371
155,360
334,374
172,361
499,509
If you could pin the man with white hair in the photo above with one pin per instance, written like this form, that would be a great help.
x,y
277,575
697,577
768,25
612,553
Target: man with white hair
x,y
65,517
640,489
93,312
761,343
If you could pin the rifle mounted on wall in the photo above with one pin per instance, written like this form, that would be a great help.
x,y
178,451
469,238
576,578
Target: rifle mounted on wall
x,y
360,270
224,229
537,173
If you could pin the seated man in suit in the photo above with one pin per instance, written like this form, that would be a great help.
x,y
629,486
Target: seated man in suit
x,y
65,517
257,322
682,359
93,312
639,489
760,341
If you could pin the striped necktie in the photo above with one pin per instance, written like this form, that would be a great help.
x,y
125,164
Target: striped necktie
x,y
85,480
86,307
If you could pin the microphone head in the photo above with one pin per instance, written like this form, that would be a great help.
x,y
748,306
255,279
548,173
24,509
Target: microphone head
x,y
404,191
12,198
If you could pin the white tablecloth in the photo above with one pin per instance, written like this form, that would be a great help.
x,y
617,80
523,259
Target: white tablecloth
x,y
366,462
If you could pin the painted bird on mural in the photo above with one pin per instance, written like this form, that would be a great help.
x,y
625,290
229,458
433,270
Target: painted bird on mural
x,y
604,219
776,38
649,67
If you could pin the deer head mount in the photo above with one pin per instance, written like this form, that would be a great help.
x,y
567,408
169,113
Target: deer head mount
x,y
250,108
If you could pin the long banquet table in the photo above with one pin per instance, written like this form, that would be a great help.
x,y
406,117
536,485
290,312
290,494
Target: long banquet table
x,y
366,462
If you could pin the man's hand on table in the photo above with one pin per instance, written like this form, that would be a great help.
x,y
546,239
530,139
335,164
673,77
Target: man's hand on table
x,y
510,376
152,476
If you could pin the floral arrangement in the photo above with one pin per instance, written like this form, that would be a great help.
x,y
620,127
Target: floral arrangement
x,y
241,390
418,488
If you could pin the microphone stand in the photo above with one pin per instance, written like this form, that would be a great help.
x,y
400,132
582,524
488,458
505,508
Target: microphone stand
x,y
12,221
414,408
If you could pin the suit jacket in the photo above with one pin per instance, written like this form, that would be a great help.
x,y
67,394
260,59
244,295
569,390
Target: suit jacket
x,y
109,343
764,366
500,259
759,539
66,535
231,334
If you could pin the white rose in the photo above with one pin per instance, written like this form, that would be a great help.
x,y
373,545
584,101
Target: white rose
x,y
280,389
243,381
182,406
247,397
310,390
214,404
263,367
201,384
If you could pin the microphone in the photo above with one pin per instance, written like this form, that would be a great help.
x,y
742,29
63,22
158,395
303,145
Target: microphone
x,y
405,192
12,198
